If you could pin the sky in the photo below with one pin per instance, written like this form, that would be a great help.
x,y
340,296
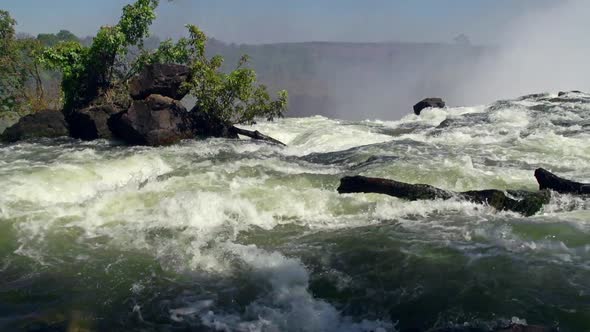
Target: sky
x,y
267,21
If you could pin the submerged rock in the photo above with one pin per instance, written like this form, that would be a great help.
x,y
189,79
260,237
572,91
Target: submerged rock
x,y
156,120
161,79
428,103
46,123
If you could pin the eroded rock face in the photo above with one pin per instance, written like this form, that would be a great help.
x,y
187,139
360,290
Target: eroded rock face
x,y
92,122
156,120
428,103
162,79
46,123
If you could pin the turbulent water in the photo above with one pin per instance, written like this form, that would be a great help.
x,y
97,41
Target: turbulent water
x,y
225,235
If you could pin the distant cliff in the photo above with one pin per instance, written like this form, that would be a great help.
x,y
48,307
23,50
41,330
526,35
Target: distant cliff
x,y
361,80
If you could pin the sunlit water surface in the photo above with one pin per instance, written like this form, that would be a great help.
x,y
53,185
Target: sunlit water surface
x,y
245,236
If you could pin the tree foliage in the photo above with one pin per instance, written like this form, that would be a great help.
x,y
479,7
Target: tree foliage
x,y
21,85
52,39
90,71
108,63
234,97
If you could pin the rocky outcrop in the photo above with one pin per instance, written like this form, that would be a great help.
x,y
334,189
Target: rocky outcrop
x,y
46,123
156,120
206,125
523,202
428,103
7,119
548,180
93,122
161,79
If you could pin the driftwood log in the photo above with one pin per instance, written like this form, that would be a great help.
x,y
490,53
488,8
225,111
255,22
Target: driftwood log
x,y
255,135
548,180
524,202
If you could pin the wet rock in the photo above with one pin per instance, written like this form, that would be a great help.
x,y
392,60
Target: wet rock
x,y
548,180
523,202
46,123
156,120
205,125
92,122
563,93
511,328
428,103
161,79
527,328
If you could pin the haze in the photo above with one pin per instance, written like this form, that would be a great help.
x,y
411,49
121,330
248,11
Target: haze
x,y
517,47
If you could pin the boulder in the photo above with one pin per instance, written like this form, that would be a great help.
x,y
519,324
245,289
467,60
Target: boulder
x,y
92,122
205,125
156,120
548,180
563,93
46,123
523,202
161,79
429,103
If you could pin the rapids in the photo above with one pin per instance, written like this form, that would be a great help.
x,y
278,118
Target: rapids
x,y
224,235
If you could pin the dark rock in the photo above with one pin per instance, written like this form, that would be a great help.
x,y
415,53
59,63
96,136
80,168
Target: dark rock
x,y
523,202
411,192
92,122
155,121
563,93
46,123
548,180
205,125
162,79
428,103
527,328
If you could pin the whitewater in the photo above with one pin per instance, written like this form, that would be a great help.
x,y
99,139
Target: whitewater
x,y
239,235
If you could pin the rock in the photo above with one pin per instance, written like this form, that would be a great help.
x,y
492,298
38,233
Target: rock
x,y
8,119
205,125
46,123
92,122
548,180
162,79
527,328
155,121
523,202
428,103
563,93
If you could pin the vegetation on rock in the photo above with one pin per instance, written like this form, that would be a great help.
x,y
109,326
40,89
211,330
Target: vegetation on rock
x,y
106,66
22,87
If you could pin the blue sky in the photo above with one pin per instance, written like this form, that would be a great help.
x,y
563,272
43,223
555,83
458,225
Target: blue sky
x,y
263,21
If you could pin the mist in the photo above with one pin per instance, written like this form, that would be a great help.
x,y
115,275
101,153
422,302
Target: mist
x,y
539,48
543,51
377,60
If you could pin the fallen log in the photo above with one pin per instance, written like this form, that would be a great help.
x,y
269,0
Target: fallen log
x,y
255,135
548,180
524,202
